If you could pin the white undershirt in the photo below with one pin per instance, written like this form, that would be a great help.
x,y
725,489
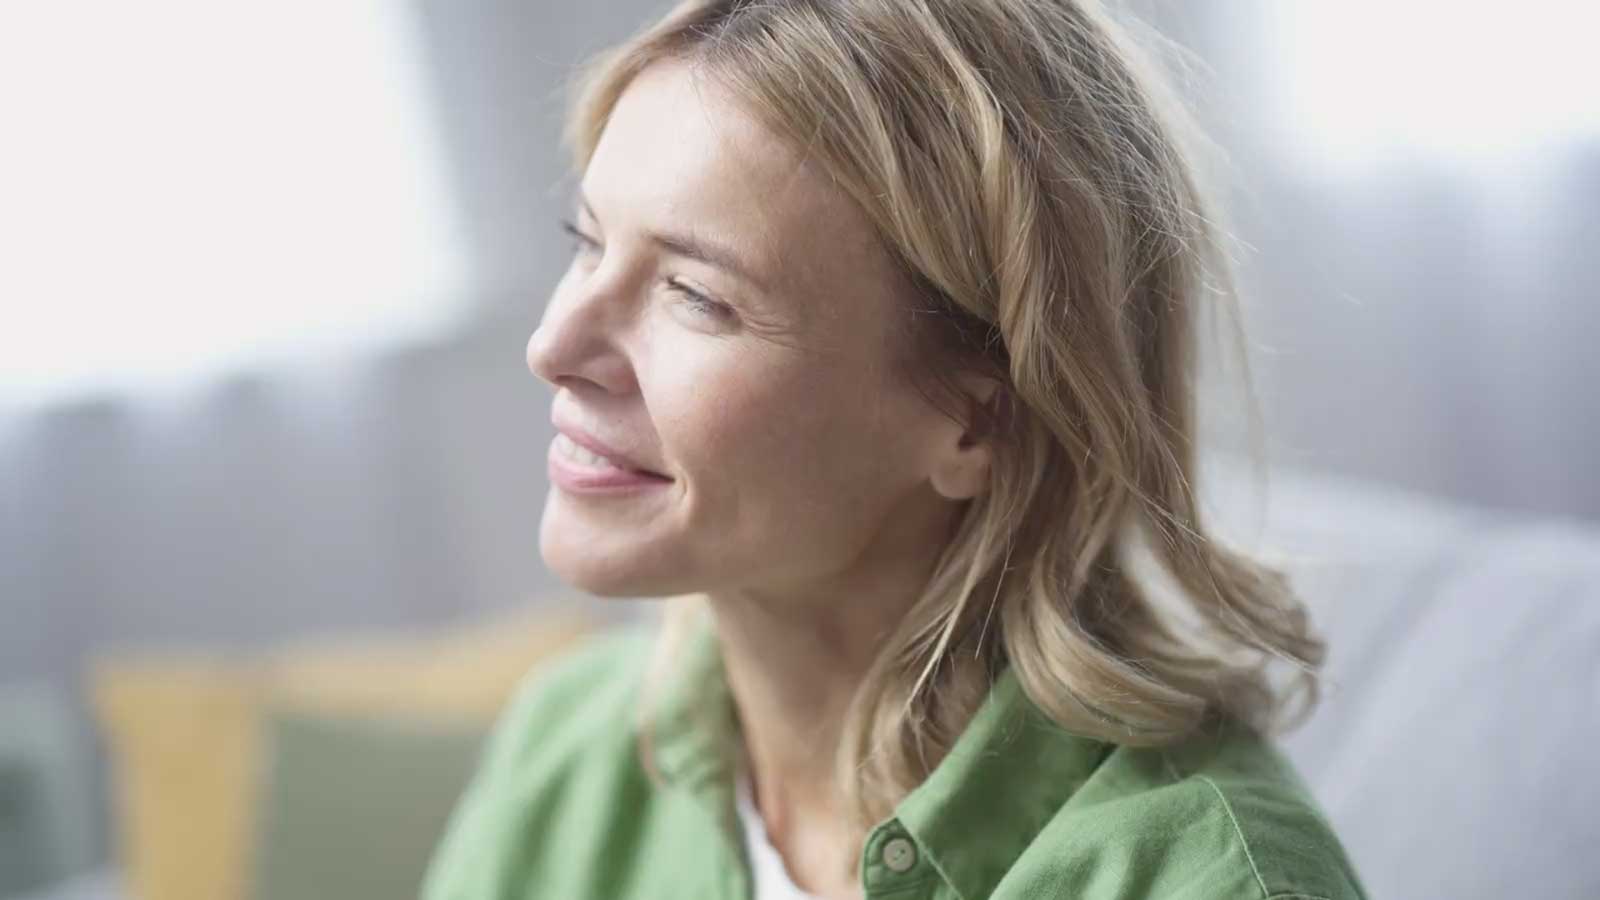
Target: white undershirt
x,y
767,872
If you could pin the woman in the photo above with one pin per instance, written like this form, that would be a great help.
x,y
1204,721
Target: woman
x,y
875,355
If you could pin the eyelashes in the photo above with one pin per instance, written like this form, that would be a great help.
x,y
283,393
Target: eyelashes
x,y
697,301
580,241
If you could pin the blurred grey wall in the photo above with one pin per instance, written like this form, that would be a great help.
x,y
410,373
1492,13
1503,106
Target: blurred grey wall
x,y
1421,319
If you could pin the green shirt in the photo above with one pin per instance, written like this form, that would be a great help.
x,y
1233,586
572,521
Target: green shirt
x,y
562,808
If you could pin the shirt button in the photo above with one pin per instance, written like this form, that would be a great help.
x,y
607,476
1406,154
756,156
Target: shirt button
x,y
899,854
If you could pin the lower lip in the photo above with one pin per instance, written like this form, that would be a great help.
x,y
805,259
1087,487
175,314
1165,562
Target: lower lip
x,y
573,476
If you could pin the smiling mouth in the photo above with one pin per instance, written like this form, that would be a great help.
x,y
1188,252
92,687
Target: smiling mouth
x,y
583,456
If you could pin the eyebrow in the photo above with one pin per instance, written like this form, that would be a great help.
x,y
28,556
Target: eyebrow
x,y
694,247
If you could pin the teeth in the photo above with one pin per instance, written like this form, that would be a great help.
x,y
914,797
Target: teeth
x,y
580,454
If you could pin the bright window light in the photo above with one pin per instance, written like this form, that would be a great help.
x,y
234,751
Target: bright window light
x,y
188,187
1365,80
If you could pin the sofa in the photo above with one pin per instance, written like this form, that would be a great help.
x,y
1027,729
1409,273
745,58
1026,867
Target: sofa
x,y
323,768
1457,749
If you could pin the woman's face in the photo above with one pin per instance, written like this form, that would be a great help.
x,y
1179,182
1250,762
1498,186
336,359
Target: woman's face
x,y
729,322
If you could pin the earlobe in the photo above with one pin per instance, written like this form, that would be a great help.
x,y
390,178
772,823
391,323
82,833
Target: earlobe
x,y
964,471
965,476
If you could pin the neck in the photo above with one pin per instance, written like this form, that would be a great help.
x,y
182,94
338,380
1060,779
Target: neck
x,y
793,675
794,660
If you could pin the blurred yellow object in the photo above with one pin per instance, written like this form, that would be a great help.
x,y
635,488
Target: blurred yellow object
x,y
184,741
185,730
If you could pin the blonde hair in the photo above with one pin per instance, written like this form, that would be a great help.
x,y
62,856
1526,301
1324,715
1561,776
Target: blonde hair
x,y
1021,161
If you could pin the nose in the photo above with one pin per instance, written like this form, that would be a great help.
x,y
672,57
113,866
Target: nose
x,y
581,336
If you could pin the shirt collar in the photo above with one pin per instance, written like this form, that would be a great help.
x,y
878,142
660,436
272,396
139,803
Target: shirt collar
x,y
692,723
1009,773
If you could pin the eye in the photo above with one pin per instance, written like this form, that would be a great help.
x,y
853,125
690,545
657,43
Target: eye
x,y
699,302
580,241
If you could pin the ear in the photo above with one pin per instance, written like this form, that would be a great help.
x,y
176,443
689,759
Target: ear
x,y
961,463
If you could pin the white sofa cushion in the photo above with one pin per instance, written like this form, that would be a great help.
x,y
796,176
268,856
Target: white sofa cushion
x,y
1457,749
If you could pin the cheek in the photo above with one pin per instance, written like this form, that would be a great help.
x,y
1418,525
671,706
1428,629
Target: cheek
x,y
768,436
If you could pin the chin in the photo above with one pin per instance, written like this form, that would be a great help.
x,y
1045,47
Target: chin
x,y
595,565
578,564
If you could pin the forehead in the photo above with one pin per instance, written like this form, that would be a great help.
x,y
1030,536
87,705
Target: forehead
x,y
680,152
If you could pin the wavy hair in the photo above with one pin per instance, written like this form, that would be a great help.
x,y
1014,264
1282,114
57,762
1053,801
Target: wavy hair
x,y
1027,166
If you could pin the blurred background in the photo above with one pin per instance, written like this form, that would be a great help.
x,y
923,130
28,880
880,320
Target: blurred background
x,y
271,463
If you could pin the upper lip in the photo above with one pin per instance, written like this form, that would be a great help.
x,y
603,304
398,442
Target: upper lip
x,y
593,444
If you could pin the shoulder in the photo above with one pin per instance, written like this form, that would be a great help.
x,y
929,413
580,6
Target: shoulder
x,y
564,743
1247,782
584,694
1223,814
574,713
